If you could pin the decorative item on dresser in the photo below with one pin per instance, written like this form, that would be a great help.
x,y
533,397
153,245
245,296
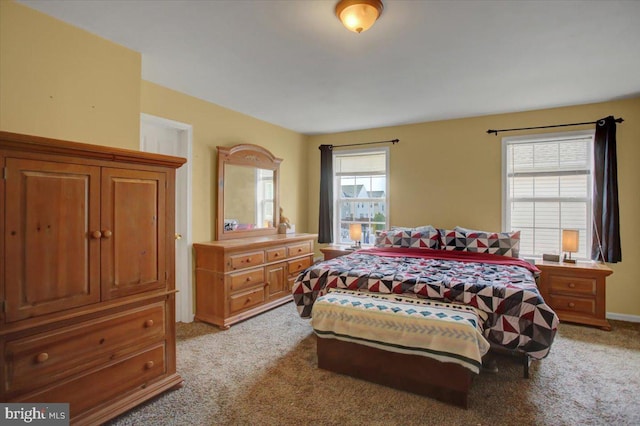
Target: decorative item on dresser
x,y
250,269
87,275
237,279
576,291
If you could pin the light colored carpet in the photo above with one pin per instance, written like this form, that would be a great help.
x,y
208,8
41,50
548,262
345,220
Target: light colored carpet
x,y
264,371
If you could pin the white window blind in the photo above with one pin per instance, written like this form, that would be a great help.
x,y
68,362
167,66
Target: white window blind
x,y
547,188
360,193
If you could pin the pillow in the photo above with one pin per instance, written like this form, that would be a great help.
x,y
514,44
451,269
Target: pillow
x,y
502,243
425,238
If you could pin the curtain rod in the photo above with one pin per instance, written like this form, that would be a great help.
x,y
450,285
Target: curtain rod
x,y
618,120
393,141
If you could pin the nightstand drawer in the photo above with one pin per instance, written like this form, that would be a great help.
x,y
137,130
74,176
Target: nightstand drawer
x,y
577,305
573,285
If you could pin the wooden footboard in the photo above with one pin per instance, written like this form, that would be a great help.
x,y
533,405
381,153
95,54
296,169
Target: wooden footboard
x,y
443,381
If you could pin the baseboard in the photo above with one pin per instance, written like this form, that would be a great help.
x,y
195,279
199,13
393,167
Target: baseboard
x,y
623,317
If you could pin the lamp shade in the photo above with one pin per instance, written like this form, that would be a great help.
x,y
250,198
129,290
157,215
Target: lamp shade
x,y
570,239
358,15
355,231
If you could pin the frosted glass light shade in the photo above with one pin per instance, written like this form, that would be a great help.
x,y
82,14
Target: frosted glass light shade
x,y
358,15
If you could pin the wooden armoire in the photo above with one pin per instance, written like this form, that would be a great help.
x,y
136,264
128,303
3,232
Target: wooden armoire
x,y
87,281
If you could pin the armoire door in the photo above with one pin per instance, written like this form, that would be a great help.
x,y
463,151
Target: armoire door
x,y
134,232
52,239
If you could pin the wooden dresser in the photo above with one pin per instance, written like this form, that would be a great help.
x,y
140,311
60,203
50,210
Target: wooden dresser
x,y
576,291
239,278
87,276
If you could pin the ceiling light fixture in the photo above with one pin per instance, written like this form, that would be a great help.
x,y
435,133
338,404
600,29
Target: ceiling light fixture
x,y
359,15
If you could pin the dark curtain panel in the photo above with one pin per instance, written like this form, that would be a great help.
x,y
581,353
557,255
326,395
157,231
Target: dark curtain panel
x,y
606,217
325,224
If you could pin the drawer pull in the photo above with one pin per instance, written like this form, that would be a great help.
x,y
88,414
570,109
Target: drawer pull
x,y
148,323
571,305
299,250
572,285
148,365
248,259
42,357
96,235
276,254
248,279
247,301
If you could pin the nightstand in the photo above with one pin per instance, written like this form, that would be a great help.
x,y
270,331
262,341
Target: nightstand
x,y
576,292
333,251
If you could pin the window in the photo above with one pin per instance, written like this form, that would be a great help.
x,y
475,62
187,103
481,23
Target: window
x,y
360,193
547,188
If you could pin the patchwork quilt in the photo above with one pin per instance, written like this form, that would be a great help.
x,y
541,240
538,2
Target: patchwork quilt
x,y
503,287
442,331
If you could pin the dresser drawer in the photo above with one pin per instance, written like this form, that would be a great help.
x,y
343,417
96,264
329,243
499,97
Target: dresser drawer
x,y
572,285
243,280
299,249
106,383
247,300
276,254
44,358
246,260
576,305
297,265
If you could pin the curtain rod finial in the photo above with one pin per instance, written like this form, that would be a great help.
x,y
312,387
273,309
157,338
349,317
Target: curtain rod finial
x,y
492,131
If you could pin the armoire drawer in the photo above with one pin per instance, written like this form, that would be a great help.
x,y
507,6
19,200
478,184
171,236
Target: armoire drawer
x,y
52,356
82,391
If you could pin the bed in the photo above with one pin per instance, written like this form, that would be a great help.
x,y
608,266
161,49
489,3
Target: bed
x,y
460,266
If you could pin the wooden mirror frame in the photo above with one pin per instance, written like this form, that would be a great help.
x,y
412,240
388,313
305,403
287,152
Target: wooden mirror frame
x,y
252,156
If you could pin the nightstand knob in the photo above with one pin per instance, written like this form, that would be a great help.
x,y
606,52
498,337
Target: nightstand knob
x,y
572,285
42,357
572,305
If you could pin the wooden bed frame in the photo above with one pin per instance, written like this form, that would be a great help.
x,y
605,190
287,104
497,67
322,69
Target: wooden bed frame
x,y
443,381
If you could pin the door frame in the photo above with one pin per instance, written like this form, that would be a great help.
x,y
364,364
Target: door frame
x,y
184,297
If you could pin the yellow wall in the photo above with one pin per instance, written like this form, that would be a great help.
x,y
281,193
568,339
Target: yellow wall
x,y
62,82
214,125
448,173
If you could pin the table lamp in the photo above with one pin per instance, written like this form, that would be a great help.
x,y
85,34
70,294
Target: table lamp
x,y
355,233
570,239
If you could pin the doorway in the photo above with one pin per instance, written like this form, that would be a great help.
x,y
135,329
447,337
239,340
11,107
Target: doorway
x,y
162,136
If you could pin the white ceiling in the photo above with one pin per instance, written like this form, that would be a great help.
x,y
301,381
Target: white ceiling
x,y
293,64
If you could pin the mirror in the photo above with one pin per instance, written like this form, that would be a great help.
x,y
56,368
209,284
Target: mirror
x,y
248,197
